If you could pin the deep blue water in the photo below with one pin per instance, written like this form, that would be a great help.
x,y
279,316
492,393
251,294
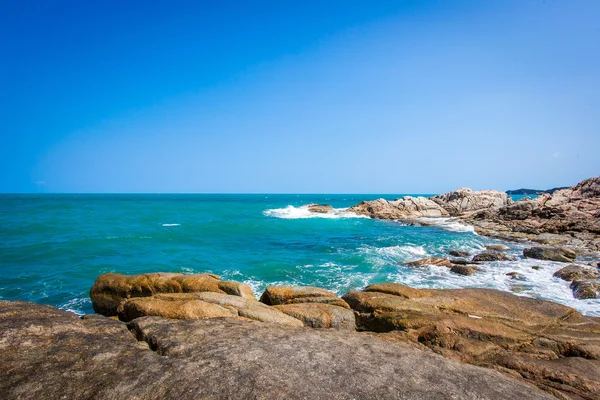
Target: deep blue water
x,y
52,247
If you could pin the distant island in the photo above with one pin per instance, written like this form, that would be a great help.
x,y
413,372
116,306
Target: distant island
x,y
533,191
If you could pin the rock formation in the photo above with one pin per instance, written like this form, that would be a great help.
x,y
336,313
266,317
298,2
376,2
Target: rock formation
x,y
403,208
465,200
550,345
52,354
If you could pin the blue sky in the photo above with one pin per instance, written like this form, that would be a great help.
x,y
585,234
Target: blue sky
x,y
298,96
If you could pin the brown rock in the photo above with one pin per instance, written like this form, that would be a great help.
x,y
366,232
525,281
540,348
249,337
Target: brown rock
x,y
318,315
436,261
278,295
51,354
492,256
576,273
531,338
407,207
463,270
320,208
110,290
169,308
466,200
457,253
586,289
561,254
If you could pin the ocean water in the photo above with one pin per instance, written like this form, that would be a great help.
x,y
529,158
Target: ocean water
x,y
52,247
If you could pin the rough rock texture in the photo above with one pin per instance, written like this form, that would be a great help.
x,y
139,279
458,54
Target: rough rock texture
x,y
278,295
561,254
51,354
492,256
320,208
404,208
567,217
586,289
436,261
200,306
550,345
576,273
466,200
319,315
463,269
110,290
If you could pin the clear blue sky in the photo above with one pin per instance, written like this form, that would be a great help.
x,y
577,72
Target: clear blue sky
x,y
298,96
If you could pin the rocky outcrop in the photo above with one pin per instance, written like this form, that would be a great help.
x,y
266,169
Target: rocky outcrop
x,y
567,217
201,306
51,354
435,261
550,345
561,254
465,200
110,290
407,207
585,281
320,315
280,295
320,208
492,256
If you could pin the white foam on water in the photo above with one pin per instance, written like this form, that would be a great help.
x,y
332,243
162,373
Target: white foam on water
x,y
540,283
171,224
449,224
302,212
76,305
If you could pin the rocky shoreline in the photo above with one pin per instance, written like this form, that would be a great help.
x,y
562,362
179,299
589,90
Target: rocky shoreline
x,y
184,336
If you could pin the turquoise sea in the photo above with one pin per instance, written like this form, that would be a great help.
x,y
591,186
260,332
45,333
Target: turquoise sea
x,y
52,247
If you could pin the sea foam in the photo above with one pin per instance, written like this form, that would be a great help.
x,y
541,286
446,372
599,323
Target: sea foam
x,y
302,212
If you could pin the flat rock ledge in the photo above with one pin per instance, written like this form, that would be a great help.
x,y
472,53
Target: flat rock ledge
x,y
52,354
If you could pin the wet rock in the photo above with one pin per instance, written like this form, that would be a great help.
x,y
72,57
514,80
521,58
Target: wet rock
x,y
51,354
561,254
279,295
460,261
576,273
320,208
515,275
492,256
550,345
466,200
457,253
463,269
319,315
110,290
586,289
435,261
497,247
407,207
536,267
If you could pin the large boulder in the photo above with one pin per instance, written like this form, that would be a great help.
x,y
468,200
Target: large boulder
x,y
407,207
279,295
200,306
561,254
51,354
319,315
110,290
492,256
466,200
576,273
538,340
587,289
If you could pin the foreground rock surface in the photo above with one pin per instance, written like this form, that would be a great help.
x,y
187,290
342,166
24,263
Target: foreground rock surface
x,y
552,346
279,295
110,290
51,354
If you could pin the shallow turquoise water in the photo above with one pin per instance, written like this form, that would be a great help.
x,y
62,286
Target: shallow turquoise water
x,y
52,247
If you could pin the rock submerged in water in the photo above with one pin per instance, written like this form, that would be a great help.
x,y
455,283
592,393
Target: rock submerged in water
x,y
585,281
561,254
320,208
492,256
51,354
458,253
435,261
463,269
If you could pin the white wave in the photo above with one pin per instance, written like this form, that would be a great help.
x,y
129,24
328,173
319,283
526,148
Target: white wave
x,y
302,212
450,224
171,224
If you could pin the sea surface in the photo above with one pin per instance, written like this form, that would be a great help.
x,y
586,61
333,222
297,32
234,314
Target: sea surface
x,y
52,247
